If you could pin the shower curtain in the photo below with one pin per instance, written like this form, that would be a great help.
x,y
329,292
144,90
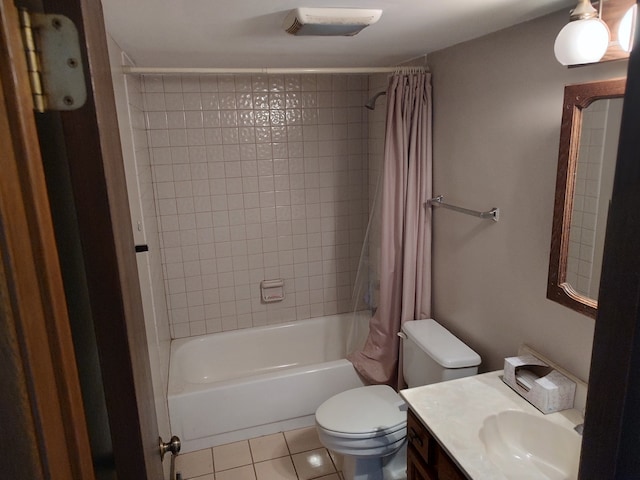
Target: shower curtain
x,y
405,263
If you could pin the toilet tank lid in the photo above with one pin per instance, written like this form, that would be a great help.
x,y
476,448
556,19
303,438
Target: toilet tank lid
x,y
438,342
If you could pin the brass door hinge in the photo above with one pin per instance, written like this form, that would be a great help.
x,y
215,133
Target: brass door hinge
x,y
54,61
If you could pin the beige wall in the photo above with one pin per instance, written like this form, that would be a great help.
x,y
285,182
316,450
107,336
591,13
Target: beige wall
x,y
497,111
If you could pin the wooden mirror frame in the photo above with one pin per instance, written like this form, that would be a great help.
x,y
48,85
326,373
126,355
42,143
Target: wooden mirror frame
x,y
576,99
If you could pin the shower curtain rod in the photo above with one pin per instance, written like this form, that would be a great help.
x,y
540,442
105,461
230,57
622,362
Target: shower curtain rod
x,y
266,70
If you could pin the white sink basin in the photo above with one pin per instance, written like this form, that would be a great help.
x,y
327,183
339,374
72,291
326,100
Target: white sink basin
x,y
525,446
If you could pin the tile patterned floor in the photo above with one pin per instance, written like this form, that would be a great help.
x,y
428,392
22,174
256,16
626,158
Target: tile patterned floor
x,y
293,455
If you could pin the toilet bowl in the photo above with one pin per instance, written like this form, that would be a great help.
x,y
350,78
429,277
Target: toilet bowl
x,y
367,426
364,425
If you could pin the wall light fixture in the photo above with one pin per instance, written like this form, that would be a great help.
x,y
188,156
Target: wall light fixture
x,y
627,28
584,39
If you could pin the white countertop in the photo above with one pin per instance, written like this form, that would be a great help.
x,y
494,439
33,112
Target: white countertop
x,y
454,412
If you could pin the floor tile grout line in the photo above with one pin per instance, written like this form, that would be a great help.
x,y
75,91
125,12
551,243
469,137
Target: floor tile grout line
x,y
289,454
294,466
213,463
335,467
286,442
253,463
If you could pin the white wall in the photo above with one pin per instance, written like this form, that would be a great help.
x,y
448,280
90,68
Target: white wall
x,y
497,110
129,108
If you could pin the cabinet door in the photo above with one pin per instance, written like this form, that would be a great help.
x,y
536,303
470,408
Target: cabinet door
x,y
447,470
420,439
426,459
417,469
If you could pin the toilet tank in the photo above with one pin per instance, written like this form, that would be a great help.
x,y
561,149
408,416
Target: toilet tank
x,y
431,354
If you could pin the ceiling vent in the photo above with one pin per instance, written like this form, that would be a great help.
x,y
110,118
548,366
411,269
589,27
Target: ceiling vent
x,y
329,21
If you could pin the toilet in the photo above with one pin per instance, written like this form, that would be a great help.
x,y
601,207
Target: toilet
x,y
367,426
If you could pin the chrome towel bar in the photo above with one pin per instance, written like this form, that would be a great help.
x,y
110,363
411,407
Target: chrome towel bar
x,y
438,201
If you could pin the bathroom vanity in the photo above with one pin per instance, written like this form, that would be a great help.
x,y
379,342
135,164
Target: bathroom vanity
x,y
478,428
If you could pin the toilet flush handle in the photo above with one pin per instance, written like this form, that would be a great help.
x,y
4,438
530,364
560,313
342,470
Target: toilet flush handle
x,y
401,405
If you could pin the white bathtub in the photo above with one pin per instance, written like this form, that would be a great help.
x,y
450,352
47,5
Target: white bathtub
x,y
236,385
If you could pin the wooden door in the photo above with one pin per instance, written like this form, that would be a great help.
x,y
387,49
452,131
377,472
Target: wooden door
x,y
612,420
50,423
44,433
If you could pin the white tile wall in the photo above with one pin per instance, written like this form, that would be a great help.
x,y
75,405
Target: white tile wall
x,y
257,177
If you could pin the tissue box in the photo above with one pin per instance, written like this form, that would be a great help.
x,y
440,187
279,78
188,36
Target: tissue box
x,y
545,388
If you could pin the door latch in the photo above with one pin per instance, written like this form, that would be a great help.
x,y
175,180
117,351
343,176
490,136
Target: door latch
x,y
172,446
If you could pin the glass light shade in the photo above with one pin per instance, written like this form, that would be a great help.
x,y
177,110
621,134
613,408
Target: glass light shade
x,y
582,41
626,27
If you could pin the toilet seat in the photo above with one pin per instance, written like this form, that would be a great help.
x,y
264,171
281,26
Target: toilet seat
x,y
364,436
370,411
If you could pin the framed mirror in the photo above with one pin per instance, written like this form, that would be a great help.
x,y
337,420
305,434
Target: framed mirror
x,y
586,163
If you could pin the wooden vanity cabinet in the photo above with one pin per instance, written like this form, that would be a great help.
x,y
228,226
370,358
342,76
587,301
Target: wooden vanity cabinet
x,y
426,459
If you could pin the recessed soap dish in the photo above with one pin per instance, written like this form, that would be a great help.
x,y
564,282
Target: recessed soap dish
x,y
272,290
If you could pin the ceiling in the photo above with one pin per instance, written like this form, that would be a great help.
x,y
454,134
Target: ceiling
x,y
248,33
